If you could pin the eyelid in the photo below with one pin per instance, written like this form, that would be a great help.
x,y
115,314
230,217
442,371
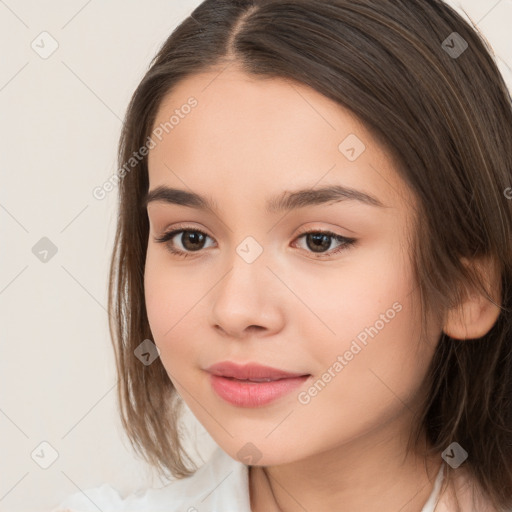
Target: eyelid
x,y
184,227
303,230
316,229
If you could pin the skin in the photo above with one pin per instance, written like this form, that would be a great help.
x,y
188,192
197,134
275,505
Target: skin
x,y
247,140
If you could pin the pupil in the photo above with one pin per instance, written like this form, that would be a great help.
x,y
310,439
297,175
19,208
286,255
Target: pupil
x,y
193,237
319,240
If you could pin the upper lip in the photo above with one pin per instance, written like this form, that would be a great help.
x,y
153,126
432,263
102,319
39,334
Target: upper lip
x,y
250,371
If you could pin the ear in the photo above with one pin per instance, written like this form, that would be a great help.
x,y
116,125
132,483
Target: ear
x,y
477,314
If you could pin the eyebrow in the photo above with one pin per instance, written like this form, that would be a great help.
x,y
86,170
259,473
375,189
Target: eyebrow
x,y
288,200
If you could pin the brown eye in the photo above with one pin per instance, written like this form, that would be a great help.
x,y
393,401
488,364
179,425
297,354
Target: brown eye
x,y
191,240
319,242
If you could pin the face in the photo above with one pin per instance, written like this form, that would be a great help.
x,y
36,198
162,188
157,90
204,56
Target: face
x,y
323,290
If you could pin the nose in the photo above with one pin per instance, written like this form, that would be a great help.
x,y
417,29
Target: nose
x,y
248,300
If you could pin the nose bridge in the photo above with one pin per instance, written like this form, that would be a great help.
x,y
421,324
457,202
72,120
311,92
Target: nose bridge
x,y
245,295
247,266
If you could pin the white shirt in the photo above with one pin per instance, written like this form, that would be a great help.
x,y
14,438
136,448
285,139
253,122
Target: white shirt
x,y
220,485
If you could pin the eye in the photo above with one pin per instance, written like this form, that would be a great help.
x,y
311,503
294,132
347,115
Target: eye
x,y
190,239
318,240
193,240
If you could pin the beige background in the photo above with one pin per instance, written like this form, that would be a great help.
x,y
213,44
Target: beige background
x,y
60,121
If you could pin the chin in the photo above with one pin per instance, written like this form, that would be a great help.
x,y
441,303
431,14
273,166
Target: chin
x,y
262,453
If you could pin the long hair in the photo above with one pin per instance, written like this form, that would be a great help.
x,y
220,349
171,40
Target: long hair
x,y
425,83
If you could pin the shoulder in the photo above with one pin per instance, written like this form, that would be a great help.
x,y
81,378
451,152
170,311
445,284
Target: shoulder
x,y
220,484
464,495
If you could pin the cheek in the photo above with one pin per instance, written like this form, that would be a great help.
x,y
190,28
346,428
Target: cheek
x,y
170,296
367,374
371,318
368,287
375,379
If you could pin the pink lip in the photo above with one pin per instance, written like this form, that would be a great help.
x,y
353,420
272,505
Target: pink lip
x,y
231,382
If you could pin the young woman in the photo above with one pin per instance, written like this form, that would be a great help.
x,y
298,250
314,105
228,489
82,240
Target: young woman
x,y
314,254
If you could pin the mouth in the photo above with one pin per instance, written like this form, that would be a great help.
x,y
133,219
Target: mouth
x,y
252,385
253,380
250,371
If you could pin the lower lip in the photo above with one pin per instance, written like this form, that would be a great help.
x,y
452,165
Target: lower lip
x,y
254,394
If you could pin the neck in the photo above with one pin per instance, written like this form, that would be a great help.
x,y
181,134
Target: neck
x,y
371,473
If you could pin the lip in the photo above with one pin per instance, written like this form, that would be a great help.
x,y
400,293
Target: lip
x,y
231,382
249,371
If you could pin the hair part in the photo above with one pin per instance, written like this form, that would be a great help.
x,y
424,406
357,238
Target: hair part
x,y
447,124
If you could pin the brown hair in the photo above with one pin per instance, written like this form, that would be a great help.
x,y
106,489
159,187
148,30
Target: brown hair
x,y
446,118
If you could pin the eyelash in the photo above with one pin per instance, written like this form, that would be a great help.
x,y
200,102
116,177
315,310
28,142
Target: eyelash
x,y
166,237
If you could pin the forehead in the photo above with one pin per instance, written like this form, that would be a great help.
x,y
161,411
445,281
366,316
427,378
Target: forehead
x,y
247,134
